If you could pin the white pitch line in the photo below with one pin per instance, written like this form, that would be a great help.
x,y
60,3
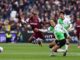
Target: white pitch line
x,y
73,54
41,53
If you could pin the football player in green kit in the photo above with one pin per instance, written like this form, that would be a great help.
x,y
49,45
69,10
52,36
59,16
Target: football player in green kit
x,y
65,22
60,41
58,31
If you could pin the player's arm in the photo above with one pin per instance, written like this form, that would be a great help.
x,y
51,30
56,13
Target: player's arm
x,y
70,26
66,32
68,36
52,23
41,30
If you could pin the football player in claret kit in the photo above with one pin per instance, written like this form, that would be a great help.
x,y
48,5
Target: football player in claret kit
x,y
34,22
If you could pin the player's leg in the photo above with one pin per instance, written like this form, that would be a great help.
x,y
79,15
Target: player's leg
x,y
64,51
31,38
39,41
53,48
40,37
79,41
78,35
52,44
57,47
67,42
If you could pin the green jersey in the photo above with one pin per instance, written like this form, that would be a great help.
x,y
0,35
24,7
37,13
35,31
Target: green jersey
x,y
58,32
60,21
65,23
51,28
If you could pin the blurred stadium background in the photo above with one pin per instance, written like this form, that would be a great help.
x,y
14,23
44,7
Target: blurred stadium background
x,y
13,18
14,15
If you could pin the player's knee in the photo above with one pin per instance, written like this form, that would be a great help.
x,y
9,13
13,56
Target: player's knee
x,y
67,43
55,50
39,42
50,46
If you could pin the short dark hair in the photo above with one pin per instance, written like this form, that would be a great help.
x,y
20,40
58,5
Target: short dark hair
x,y
61,12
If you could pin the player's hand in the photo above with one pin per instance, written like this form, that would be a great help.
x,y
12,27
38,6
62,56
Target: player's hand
x,y
75,32
69,37
36,29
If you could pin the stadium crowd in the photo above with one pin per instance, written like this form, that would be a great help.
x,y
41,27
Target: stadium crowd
x,y
14,13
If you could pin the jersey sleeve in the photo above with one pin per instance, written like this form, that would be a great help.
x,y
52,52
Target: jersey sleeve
x,y
51,28
60,21
39,19
27,20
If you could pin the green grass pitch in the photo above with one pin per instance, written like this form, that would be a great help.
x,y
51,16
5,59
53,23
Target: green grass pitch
x,y
25,51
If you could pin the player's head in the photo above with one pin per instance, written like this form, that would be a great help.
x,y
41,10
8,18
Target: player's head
x,y
52,23
61,14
